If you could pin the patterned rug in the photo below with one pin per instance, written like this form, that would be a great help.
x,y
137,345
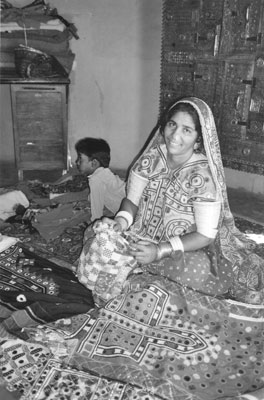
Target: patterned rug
x,y
159,341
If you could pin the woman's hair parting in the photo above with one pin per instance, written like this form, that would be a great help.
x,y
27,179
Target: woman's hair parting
x,y
95,148
188,108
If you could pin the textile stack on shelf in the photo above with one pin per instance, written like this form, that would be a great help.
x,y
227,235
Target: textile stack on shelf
x,y
35,30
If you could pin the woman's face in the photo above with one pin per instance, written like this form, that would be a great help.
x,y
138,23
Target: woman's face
x,y
180,135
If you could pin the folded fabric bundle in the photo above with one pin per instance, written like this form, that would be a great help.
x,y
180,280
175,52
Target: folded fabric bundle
x,y
50,41
66,59
10,13
70,197
41,28
35,14
9,201
105,263
5,4
32,63
52,223
50,24
35,290
6,242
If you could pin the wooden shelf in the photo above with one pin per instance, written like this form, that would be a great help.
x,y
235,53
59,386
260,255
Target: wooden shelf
x,y
34,125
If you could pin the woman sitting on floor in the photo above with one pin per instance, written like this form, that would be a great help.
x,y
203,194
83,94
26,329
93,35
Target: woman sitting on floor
x,y
177,210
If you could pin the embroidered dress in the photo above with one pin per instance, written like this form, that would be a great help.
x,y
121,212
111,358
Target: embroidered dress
x,y
166,206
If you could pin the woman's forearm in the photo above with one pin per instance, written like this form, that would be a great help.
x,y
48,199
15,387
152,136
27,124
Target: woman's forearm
x,y
126,214
195,241
189,242
127,205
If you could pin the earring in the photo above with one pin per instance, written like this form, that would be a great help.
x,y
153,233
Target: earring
x,y
196,146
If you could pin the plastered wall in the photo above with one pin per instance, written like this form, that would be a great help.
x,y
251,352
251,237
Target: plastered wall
x,y
114,91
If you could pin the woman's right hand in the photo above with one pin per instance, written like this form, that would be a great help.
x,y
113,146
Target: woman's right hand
x,y
114,223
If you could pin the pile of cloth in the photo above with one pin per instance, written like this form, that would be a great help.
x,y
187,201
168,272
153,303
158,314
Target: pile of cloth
x,y
47,208
35,26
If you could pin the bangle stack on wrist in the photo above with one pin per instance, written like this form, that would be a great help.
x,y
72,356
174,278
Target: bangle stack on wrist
x,y
176,244
164,250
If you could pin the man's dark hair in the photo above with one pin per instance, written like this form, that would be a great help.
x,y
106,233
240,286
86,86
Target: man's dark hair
x,y
94,148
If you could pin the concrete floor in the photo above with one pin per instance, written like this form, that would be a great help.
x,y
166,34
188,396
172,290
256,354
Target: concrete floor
x,y
246,205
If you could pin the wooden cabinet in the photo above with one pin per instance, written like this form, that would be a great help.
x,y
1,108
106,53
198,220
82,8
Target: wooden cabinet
x,y
8,171
40,125
33,126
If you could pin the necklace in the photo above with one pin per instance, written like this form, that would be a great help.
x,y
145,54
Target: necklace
x,y
174,166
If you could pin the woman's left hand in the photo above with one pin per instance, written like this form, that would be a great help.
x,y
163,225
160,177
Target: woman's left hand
x,y
144,252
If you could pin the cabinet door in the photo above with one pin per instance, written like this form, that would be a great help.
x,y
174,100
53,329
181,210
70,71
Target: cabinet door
x,y
8,172
214,49
40,125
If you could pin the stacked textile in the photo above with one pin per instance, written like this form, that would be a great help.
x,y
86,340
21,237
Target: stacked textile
x,y
38,26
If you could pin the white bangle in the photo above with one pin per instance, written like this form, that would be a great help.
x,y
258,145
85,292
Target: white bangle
x,y
206,214
248,397
176,243
127,216
163,250
135,187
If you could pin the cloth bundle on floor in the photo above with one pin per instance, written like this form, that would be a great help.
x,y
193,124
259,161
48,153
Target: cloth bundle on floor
x,y
104,263
9,201
35,291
